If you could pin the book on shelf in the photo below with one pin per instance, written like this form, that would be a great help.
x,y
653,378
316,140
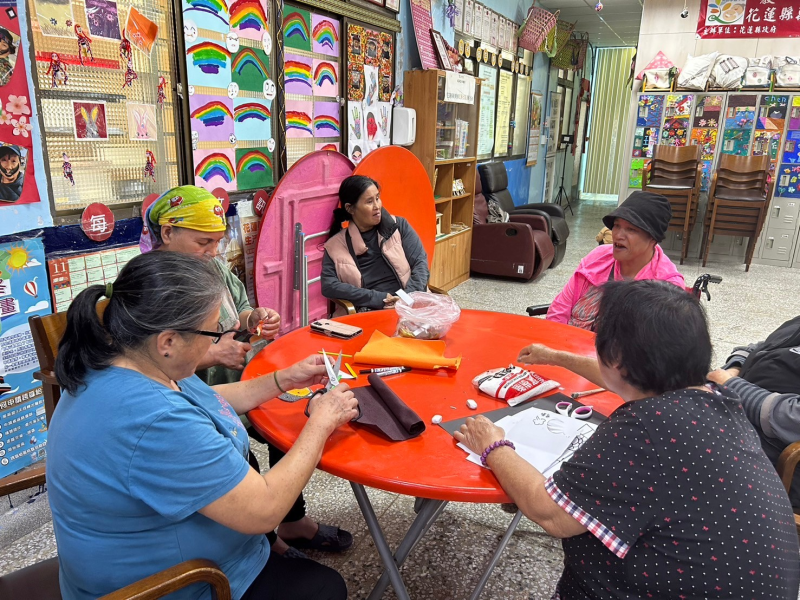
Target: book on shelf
x,y
462,130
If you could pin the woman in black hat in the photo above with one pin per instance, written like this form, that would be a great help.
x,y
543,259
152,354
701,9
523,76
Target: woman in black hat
x,y
637,226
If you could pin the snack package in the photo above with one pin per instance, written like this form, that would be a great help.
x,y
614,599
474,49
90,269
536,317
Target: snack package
x,y
429,317
513,384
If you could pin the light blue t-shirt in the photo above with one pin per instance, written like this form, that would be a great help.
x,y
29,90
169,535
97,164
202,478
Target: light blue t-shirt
x,y
129,464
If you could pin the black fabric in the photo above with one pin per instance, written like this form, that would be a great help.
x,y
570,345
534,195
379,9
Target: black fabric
x,y
775,366
385,411
296,579
645,210
494,177
376,273
682,480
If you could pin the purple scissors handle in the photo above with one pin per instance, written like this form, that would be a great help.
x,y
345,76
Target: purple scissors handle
x,y
579,412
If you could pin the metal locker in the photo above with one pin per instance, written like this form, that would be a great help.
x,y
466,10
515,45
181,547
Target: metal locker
x,y
783,213
777,245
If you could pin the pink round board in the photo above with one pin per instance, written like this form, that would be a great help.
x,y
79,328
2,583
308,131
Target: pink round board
x,y
307,194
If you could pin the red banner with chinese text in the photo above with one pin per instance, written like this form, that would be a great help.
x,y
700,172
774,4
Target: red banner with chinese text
x,y
720,19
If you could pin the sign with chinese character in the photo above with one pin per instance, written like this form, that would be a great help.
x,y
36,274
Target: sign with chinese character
x,y
97,222
748,19
23,293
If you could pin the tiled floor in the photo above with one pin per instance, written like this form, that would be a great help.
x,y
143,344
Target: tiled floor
x,y
449,560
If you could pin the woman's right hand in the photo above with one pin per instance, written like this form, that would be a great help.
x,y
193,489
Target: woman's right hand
x,y
335,408
390,301
536,354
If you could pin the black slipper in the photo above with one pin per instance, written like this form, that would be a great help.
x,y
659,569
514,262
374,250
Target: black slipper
x,y
327,539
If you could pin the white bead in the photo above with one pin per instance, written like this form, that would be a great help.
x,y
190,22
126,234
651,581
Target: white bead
x,y
472,404
436,419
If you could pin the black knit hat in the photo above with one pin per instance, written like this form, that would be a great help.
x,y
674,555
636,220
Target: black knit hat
x,y
647,211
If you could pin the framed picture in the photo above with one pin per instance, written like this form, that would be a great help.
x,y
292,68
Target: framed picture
x,y
378,2
441,50
393,5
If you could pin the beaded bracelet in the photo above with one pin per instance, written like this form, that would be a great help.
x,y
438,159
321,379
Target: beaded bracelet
x,y
495,446
275,377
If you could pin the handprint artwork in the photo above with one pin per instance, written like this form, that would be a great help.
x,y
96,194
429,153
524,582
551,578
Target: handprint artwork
x,y
90,120
142,121
355,124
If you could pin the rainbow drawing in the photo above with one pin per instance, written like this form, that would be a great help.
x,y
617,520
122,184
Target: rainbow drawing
x,y
247,56
298,121
212,114
295,26
215,164
214,8
251,110
326,125
297,73
329,147
248,14
325,34
324,72
254,161
209,57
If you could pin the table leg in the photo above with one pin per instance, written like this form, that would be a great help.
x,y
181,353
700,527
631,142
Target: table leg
x,y
496,556
429,512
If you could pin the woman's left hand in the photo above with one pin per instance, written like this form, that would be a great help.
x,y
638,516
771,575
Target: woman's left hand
x,y
307,372
479,433
721,376
266,318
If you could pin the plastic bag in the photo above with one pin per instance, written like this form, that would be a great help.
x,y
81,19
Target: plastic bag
x,y
696,72
430,317
513,384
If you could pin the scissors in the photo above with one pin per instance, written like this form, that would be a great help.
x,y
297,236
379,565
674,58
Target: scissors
x,y
333,381
580,412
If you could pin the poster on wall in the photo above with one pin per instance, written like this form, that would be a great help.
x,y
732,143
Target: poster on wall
x,y
487,110
23,293
423,24
534,132
718,19
17,182
520,120
505,89
554,118
549,177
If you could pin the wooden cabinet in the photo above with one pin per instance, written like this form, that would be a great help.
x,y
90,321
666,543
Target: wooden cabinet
x,y
446,143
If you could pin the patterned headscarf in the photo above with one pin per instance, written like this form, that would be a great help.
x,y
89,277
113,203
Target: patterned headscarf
x,y
185,206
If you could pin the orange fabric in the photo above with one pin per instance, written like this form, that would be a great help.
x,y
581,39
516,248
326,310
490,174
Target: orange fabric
x,y
405,352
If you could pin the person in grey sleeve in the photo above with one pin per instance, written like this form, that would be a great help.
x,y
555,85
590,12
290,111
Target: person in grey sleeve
x,y
766,376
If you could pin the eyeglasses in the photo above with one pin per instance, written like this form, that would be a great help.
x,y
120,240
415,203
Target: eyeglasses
x,y
217,335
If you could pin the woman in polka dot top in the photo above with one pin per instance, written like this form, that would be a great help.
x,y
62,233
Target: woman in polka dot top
x,y
672,497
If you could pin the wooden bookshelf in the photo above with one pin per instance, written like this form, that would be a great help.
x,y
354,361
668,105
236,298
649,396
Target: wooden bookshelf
x,y
436,147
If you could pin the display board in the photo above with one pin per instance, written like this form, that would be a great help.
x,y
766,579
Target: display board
x,y
520,122
105,74
370,83
230,71
487,110
788,176
505,96
23,427
535,129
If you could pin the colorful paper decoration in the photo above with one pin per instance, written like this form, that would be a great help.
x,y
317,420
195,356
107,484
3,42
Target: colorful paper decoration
x,y
325,78
325,35
788,181
297,29
736,141
249,19
386,67
162,94
326,119
67,168
254,168
298,74
97,222
636,172
214,168
251,119
84,44
57,71
250,69
299,119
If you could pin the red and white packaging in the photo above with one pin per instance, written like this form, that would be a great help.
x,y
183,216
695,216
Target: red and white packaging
x,y
513,384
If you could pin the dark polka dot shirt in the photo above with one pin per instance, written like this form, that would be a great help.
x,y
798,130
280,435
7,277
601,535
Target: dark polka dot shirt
x,y
680,502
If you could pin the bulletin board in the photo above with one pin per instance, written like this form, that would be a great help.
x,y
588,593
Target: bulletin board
x,y
369,81
520,121
229,67
109,118
487,110
535,129
505,97
23,293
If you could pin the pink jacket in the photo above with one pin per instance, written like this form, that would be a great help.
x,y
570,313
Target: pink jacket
x,y
594,270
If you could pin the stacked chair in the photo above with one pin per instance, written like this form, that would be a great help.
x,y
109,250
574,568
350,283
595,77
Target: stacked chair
x,y
675,172
737,201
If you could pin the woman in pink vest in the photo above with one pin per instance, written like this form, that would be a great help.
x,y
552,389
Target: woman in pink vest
x,y
637,226
376,255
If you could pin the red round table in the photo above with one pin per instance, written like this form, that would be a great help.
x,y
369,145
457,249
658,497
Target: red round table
x,y
429,466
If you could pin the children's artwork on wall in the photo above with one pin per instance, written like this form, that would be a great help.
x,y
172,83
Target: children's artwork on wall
x,y
649,140
371,86
705,175
299,121
708,112
142,123
679,105
141,31
356,132
297,29
90,120
387,60
372,48
355,83
736,141
330,146
788,181
211,117
650,110
355,44
794,114
707,140
208,63
326,78
772,112
252,119
673,137
102,19
791,148
741,111
767,142
371,127
250,69
636,172
298,74
13,164
326,120
253,168
208,14
249,19
325,35
214,168
55,17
